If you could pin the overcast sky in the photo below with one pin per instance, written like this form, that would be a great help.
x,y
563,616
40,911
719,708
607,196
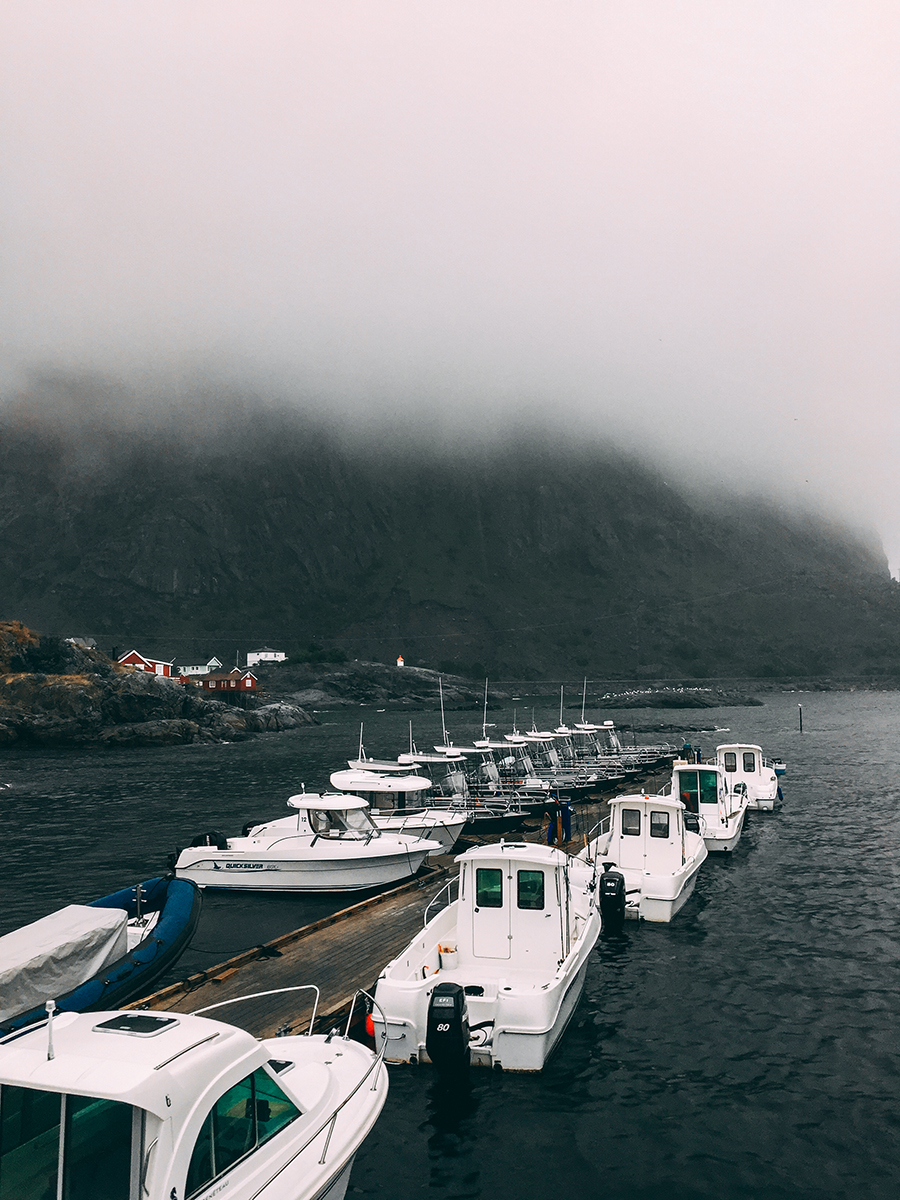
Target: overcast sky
x,y
674,221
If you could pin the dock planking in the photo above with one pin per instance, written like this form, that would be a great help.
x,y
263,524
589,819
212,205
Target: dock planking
x,y
339,954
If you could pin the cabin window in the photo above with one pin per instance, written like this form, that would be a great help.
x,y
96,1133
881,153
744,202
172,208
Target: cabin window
x,y
631,822
659,824
488,887
749,761
530,889
96,1146
709,791
247,1115
730,760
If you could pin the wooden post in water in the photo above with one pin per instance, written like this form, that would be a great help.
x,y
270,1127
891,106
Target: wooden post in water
x,y
800,710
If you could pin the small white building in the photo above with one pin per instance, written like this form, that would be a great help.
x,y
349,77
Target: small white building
x,y
211,666
267,654
400,662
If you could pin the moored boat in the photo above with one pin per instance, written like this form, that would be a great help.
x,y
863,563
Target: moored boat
x,y
331,845
705,792
496,975
745,766
156,1106
659,858
97,955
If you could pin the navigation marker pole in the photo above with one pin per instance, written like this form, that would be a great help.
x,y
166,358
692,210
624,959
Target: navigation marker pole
x,y
800,709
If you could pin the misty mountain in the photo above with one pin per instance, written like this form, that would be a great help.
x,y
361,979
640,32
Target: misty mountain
x,y
527,558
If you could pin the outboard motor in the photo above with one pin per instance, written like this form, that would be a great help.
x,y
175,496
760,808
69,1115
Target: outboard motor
x,y
213,838
611,892
447,1029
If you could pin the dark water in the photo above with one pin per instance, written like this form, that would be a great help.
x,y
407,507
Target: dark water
x,y
749,1050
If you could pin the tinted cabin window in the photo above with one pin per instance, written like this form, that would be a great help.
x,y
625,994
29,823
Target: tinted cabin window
x,y
530,889
488,887
96,1146
247,1115
730,760
98,1149
709,791
659,824
631,822
688,792
749,761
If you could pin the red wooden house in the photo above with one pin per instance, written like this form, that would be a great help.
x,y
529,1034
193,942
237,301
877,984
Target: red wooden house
x,y
234,681
153,666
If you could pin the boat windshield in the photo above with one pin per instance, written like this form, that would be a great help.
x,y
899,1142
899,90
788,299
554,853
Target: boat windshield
x,y
345,823
88,1137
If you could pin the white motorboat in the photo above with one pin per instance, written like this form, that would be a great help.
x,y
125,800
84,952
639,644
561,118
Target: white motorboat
x,y
704,791
396,805
496,975
124,1105
331,845
659,858
744,765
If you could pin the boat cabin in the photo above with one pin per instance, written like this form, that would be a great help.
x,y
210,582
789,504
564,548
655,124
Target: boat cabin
x,y
334,816
386,792
134,1105
700,788
446,771
741,763
515,906
647,833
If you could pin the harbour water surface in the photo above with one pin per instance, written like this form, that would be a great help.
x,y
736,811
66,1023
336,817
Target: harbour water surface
x,y
749,1051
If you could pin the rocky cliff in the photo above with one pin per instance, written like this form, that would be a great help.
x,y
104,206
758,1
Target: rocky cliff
x,y
527,559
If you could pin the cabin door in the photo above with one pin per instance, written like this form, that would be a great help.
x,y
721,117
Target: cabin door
x,y
632,833
490,913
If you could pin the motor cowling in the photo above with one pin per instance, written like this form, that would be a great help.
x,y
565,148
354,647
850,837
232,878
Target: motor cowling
x,y
611,898
213,838
447,1029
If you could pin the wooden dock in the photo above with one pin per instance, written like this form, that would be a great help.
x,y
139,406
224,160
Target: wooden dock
x,y
338,954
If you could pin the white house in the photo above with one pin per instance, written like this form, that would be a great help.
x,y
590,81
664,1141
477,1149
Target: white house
x,y
267,654
212,665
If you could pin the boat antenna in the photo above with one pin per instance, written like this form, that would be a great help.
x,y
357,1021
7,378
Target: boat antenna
x,y
561,690
362,753
583,698
412,745
51,1009
484,717
443,725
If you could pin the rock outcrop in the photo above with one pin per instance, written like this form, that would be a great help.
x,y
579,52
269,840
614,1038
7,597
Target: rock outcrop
x,y
103,704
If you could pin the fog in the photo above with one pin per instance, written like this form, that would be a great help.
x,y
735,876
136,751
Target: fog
x,y
669,224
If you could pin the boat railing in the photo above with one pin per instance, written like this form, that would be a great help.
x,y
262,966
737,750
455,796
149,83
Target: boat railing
x,y
598,830
447,888
302,987
331,1120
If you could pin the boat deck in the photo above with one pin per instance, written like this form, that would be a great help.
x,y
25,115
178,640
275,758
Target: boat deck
x,y
338,954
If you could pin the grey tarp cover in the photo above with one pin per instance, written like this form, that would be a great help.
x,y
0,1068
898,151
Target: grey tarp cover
x,y
50,957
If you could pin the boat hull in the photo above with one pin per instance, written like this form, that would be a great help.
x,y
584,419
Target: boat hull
x,y
718,844
263,874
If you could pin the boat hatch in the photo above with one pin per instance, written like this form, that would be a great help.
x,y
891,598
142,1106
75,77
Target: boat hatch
x,y
136,1024
94,1143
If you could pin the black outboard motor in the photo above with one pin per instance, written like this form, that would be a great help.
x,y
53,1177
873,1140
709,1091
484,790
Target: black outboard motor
x,y
213,838
447,1030
612,899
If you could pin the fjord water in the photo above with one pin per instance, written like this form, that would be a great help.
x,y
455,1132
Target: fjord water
x,y
748,1051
